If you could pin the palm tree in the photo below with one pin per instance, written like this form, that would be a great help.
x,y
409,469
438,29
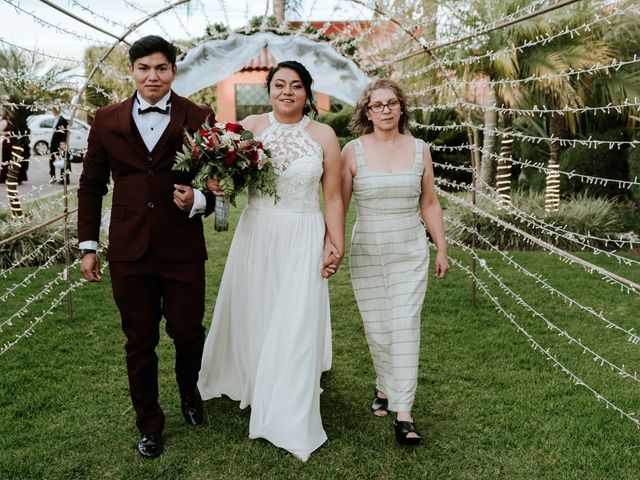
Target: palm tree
x,y
573,53
565,53
281,7
505,66
24,81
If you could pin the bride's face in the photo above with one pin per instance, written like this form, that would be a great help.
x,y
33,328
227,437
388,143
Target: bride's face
x,y
287,93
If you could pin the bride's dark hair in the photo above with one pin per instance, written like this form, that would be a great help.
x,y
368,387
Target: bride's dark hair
x,y
304,75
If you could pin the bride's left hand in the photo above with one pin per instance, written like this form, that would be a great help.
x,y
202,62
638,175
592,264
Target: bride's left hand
x,y
331,259
214,186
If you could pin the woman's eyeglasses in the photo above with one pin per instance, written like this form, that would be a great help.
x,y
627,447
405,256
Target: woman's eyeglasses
x,y
379,107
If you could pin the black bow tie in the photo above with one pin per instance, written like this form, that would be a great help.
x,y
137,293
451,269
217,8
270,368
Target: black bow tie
x,y
142,111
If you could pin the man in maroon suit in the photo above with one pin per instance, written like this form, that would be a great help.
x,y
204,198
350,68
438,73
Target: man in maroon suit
x,y
156,247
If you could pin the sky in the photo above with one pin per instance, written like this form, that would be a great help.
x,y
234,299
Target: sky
x,y
34,25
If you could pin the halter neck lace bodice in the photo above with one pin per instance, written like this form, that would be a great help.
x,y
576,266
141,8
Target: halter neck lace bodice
x,y
298,160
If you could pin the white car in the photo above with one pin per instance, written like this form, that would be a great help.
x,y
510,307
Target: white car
x,y
41,127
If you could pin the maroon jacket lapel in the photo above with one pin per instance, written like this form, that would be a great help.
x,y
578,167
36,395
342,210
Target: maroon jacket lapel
x,y
125,121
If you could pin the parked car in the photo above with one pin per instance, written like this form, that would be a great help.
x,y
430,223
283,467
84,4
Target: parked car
x,y
41,127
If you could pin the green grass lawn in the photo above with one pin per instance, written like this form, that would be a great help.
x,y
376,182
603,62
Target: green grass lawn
x,y
488,405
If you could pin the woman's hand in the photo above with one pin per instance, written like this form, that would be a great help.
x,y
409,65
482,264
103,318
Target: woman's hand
x,y
331,259
441,264
214,186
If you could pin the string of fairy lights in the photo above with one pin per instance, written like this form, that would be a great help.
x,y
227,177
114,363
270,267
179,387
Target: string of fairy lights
x,y
581,241
446,91
426,22
612,14
544,284
546,352
546,77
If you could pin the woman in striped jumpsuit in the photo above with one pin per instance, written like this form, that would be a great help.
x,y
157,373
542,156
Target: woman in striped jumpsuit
x,y
390,174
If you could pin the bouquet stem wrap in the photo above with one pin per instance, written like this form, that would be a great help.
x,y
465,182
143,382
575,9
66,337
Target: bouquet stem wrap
x,y
221,223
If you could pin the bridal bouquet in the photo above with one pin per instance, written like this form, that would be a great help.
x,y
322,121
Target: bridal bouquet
x,y
231,154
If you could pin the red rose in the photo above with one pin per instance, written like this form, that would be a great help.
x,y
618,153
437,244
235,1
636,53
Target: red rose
x,y
230,158
195,153
203,132
255,156
234,128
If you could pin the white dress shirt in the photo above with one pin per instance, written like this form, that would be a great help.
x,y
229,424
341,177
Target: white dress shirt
x,y
151,126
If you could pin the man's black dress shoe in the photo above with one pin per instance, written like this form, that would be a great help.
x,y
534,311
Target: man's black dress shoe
x,y
150,446
192,408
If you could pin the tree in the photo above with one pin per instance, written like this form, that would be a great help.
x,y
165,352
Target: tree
x,y
111,82
28,81
573,53
28,85
281,7
555,59
505,66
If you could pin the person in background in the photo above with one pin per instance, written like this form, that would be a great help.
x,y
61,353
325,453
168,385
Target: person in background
x,y
5,146
57,147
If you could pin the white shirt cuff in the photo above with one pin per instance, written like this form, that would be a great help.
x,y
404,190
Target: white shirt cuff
x,y
88,245
199,203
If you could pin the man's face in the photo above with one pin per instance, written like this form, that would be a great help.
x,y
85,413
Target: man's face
x,y
153,75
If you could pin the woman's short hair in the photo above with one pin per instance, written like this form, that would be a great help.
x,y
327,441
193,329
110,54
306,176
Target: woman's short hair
x,y
304,75
360,124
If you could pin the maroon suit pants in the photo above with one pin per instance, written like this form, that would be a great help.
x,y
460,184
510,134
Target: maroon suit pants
x,y
145,290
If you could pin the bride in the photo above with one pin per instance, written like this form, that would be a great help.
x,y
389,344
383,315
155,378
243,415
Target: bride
x,y
270,337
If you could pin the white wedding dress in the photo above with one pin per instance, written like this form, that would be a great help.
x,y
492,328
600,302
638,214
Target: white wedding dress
x,y
270,337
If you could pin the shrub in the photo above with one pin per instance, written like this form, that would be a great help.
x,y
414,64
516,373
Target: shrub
x,y
633,159
338,121
453,137
343,141
530,178
603,161
581,214
35,248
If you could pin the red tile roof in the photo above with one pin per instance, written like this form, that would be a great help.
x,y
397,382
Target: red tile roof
x,y
262,61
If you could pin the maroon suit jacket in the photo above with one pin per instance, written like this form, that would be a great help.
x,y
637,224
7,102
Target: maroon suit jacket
x,y
143,214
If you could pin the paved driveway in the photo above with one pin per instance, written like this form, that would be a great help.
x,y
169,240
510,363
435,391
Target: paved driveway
x,y
37,186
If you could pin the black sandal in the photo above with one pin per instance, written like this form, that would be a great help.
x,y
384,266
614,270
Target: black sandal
x,y
403,429
379,404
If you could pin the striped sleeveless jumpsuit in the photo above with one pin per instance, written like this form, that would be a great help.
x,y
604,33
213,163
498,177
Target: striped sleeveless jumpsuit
x,y
388,264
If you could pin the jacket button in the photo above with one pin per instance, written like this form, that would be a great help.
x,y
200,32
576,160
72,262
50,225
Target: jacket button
x,y
150,158
151,205
151,173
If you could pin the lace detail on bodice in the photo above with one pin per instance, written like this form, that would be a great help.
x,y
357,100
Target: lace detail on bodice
x,y
298,160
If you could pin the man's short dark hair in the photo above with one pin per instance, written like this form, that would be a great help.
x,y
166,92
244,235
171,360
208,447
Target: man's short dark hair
x,y
152,44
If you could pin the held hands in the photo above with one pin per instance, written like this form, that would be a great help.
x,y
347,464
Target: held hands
x,y
90,267
331,259
441,265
